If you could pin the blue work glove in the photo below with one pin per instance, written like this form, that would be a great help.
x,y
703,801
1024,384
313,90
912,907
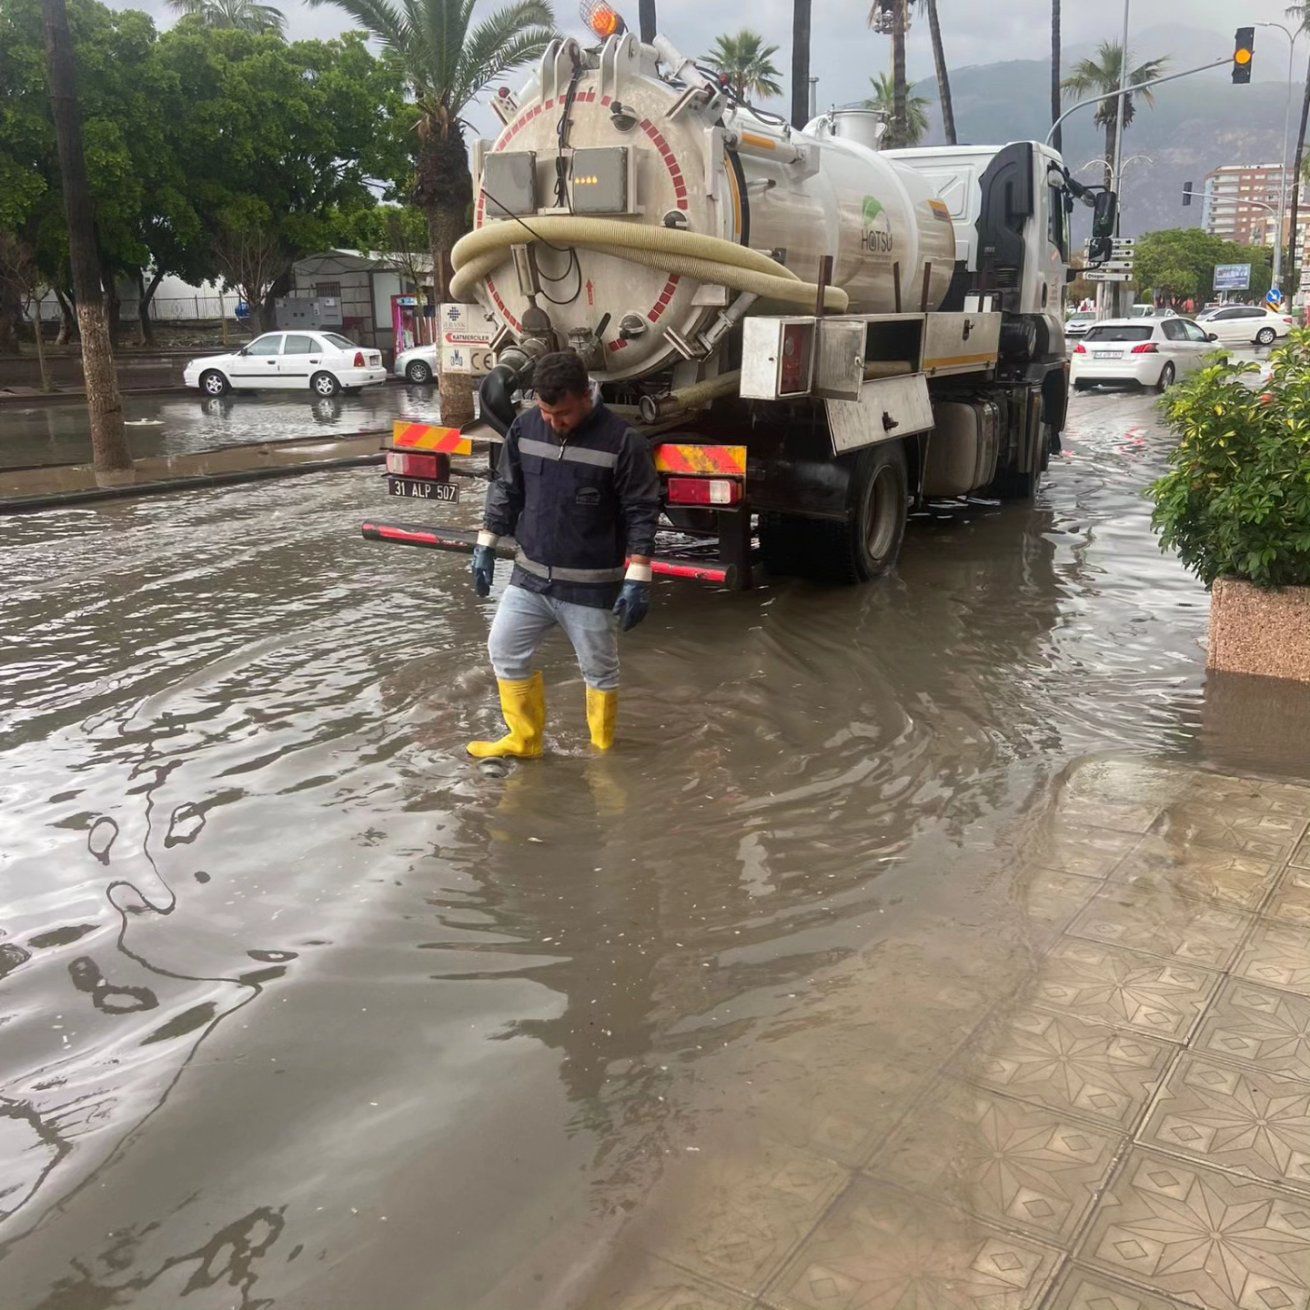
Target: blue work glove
x,y
483,569
632,605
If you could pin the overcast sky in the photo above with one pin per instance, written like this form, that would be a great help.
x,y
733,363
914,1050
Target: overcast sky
x,y
845,52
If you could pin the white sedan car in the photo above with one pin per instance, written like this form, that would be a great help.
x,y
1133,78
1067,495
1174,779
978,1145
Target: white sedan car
x,y
322,362
418,364
1246,325
1147,352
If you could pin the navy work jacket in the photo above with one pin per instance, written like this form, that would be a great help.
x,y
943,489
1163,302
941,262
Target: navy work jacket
x,y
577,505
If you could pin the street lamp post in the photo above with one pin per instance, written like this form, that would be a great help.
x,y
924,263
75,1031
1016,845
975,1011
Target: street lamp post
x,y
1282,168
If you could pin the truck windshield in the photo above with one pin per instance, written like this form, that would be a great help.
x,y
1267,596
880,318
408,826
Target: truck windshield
x,y
1126,332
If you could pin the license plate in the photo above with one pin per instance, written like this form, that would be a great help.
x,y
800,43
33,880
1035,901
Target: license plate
x,y
446,491
1107,354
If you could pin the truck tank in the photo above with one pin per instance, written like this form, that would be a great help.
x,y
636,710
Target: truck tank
x,y
631,203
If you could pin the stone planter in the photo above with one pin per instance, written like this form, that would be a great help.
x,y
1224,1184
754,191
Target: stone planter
x,y
1253,630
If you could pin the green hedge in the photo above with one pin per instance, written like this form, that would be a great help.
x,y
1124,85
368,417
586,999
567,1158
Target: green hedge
x,y
1236,502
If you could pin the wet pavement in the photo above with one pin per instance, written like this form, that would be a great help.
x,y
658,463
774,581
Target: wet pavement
x,y
57,433
925,944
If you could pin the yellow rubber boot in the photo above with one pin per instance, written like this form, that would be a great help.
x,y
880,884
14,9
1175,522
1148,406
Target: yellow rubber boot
x,y
602,714
524,706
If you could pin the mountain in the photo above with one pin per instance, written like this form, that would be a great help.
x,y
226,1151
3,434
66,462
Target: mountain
x,y
1197,124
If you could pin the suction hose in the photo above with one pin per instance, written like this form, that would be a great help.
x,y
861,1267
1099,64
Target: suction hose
x,y
689,254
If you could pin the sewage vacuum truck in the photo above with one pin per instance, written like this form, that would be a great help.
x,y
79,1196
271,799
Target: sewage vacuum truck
x,y
814,334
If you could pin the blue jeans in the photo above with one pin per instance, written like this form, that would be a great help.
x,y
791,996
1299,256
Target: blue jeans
x,y
522,620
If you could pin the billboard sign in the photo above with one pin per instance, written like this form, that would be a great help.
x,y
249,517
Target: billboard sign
x,y
1232,277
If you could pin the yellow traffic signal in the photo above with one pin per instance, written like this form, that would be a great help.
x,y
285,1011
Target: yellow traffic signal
x,y
1243,53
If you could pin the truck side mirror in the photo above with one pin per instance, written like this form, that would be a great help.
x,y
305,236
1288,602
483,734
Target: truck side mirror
x,y
1104,213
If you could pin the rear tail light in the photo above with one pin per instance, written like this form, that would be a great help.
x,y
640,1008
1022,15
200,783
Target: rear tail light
x,y
704,491
359,359
1146,348
1080,349
406,464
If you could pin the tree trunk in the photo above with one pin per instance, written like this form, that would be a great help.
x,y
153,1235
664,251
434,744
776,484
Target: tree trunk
x,y
943,74
11,316
646,20
145,329
800,63
445,191
108,443
268,302
113,304
68,319
1057,102
1291,278
39,338
900,121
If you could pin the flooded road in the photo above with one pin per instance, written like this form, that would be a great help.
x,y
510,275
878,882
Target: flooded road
x,y
57,433
298,1009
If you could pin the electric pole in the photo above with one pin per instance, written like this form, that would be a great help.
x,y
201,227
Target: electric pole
x,y
113,463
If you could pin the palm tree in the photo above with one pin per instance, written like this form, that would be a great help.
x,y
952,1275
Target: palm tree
x,y
241,15
916,112
448,62
1056,105
800,62
892,17
1100,76
943,73
747,63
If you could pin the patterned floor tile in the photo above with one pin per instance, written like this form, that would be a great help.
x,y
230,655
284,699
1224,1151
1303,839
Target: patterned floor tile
x,y
1049,898
1226,828
1183,869
652,1284
1077,848
1233,1118
1080,1289
1105,984
1248,794
735,1215
1261,1027
1118,816
1063,1063
1153,917
1290,902
1202,1237
881,1249
1277,955
1006,1161
1301,856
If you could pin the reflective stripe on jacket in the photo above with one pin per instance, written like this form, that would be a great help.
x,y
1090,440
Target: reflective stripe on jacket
x,y
577,506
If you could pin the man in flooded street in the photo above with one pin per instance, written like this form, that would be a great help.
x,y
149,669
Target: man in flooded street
x,y
577,488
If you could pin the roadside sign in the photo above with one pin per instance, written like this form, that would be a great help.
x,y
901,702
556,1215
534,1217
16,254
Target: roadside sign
x,y
1274,297
466,337
1232,277
1099,275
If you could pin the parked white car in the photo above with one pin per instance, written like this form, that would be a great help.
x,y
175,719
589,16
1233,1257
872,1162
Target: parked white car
x,y
1146,352
418,364
325,363
1078,322
1146,310
1246,325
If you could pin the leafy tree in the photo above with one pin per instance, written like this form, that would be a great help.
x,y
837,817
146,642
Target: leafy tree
x,y
240,15
1180,263
283,137
892,18
916,112
747,63
1100,76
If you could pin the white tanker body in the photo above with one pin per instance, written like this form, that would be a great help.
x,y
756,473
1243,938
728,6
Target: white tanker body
x,y
813,334
666,154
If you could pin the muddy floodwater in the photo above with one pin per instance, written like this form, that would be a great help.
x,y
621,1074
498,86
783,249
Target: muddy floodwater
x,y
56,432
300,1009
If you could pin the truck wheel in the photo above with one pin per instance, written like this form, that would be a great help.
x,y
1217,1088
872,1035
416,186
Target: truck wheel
x,y
869,543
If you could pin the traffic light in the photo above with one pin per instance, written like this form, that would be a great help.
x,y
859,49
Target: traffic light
x,y
1243,53
1187,194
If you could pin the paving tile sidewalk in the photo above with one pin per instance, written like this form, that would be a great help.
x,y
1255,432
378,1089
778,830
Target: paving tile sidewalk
x,y
1124,1124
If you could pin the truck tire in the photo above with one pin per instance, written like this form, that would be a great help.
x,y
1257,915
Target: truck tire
x,y
868,544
